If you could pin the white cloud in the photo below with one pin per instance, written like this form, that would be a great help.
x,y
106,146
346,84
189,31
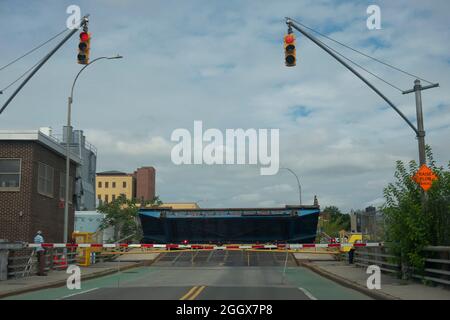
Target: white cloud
x,y
222,63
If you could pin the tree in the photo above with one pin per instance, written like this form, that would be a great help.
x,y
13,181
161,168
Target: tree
x,y
122,215
410,225
334,221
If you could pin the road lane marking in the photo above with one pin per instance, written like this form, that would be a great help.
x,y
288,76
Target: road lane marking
x,y
307,293
195,295
74,294
189,293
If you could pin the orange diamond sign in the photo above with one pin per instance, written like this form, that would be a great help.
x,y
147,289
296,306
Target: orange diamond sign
x,y
424,177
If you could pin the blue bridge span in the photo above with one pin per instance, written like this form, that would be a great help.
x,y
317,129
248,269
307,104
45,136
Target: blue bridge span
x,y
287,224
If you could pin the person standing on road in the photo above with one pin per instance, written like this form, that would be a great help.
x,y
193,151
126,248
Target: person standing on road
x,y
40,251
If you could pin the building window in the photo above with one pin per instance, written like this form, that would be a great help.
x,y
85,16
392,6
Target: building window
x,y
99,197
124,184
99,184
45,179
62,186
113,197
106,184
10,174
113,184
106,198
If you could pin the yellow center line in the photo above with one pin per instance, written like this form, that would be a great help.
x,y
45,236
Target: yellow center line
x,y
195,295
189,293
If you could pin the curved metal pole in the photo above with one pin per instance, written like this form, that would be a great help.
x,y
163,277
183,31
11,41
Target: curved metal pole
x,y
79,72
68,141
298,183
319,43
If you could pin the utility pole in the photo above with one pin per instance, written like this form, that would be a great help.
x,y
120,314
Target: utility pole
x,y
420,127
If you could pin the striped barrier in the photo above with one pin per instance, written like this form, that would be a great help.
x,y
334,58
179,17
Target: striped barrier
x,y
204,247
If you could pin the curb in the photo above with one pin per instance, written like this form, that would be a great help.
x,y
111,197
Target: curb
x,y
377,295
59,283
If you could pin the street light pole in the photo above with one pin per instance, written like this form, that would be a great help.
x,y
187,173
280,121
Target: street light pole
x,y
298,183
68,141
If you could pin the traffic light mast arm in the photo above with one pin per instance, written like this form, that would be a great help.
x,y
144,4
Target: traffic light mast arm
x,y
356,73
83,22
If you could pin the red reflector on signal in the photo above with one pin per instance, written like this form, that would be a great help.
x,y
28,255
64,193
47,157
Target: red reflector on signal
x,y
289,39
84,36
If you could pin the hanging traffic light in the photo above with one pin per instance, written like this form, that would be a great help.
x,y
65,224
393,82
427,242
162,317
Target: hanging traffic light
x,y
289,50
83,47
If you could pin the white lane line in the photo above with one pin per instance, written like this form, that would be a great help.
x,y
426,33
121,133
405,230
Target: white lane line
x,y
307,293
74,294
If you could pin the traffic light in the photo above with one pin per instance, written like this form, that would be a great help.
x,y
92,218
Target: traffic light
x,y
289,50
83,47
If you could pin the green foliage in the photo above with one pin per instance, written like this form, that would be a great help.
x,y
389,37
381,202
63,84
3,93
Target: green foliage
x,y
410,226
332,211
122,214
337,221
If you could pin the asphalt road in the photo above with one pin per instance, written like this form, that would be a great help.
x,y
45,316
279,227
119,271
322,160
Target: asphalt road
x,y
211,275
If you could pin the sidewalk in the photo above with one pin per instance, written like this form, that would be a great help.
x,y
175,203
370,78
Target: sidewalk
x,y
356,277
59,278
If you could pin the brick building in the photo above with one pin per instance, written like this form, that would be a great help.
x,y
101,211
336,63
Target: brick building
x,y
32,186
145,183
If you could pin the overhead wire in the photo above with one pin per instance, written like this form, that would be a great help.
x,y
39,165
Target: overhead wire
x,y
26,54
361,67
362,53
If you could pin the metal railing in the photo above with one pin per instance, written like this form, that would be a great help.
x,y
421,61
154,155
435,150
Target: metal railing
x,y
24,262
437,263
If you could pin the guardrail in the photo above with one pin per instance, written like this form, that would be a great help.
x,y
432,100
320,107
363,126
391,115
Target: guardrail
x,y
437,263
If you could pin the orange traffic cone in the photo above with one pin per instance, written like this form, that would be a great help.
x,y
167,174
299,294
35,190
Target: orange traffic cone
x,y
63,262
55,260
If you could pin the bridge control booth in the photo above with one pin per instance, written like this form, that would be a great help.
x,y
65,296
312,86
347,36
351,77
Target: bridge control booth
x,y
289,224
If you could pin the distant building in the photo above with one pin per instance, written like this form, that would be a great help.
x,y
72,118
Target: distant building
x,y
90,221
180,205
112,184
139,185
32,186
145,183
85,178
368,222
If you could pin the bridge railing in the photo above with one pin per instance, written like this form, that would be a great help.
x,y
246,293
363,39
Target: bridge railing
x,y
23,262
437,263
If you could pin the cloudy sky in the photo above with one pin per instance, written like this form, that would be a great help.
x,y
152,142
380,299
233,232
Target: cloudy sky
x,y
222,62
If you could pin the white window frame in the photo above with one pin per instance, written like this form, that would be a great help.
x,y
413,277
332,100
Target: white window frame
x,y
62,185
46,179
19,173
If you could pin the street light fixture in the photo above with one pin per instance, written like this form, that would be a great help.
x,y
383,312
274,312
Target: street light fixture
x,y
298,183
69,140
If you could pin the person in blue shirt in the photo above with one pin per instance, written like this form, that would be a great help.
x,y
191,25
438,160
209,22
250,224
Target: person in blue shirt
x,y
40,251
